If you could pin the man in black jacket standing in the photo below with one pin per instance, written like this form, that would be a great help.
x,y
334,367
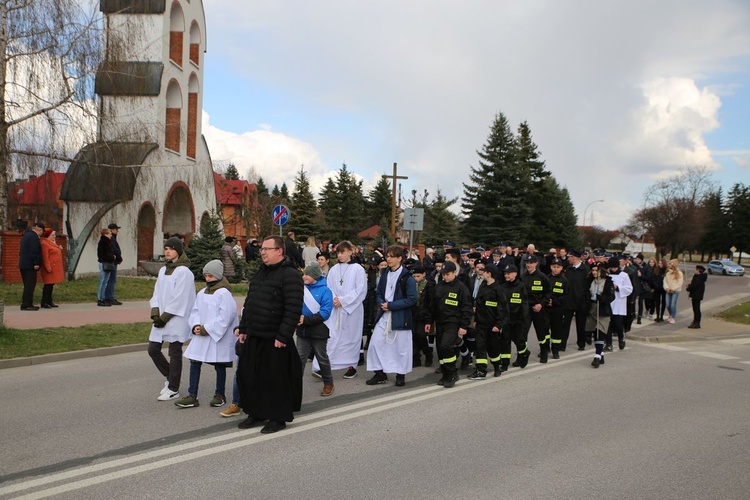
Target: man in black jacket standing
x,y
29,262
578,300
269,369
697,288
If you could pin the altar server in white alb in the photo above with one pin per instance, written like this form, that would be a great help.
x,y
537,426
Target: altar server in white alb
x,y
348,283
623,288
213,320
390,348
174,294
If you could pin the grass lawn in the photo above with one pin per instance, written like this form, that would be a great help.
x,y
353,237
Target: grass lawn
x,y
84,290
737,314
22,343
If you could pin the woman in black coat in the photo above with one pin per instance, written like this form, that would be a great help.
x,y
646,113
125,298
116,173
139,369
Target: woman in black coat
x,y
106,256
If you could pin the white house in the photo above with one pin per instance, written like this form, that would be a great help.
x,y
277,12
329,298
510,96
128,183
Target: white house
x,y
150,169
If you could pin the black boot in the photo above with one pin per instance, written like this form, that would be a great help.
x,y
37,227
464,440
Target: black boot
x,y
452,376
504,364
445,376
428,359
498,369
523,359
543,356
555,354
465,361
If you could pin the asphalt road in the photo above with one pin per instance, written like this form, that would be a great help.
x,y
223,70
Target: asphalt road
x,y
666,421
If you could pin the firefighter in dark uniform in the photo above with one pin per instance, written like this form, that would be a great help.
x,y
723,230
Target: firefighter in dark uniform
x,y
516,323
488,314
577,303
425,291
556,307
538,289
466,344
451,311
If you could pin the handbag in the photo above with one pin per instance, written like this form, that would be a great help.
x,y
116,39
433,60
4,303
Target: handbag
x,y
109,266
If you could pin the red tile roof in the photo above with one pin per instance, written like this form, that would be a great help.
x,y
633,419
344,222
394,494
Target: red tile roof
x,y
42,190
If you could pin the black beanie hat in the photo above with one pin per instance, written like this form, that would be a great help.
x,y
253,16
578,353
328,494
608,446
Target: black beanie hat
x,y
175,243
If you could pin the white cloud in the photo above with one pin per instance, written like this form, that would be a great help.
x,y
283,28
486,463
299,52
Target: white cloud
x,y
608,89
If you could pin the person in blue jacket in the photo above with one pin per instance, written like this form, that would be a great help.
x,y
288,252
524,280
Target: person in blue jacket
x,y
312,331
391,346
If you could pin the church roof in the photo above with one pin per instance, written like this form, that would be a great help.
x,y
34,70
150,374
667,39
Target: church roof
x,y
105,171
133,6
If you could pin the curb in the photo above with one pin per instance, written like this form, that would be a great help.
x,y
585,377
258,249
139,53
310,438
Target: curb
x,y
66,356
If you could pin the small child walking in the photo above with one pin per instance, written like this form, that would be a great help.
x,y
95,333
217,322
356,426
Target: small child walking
x,y
214,318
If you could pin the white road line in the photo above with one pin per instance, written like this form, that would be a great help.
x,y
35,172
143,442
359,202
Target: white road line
x,y
745,362
742,341
713,355
667,347
327,418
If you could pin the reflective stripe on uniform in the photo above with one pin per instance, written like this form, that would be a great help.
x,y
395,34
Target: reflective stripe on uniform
x,y
445,361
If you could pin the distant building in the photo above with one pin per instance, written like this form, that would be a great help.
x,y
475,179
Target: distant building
x,y
37,199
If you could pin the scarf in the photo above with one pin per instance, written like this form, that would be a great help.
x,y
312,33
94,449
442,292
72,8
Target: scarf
x,y
182,260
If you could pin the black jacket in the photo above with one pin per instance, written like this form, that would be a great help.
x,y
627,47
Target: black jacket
x,y
537,288
604,296
274,302
104,251
697,286
558,290
490,307
578,291
515,296
31,251
451,304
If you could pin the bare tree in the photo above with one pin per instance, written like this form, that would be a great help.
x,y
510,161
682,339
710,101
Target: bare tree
x,y
49,53
673,210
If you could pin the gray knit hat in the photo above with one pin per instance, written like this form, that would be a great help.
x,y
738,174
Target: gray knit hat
x,y
313,270
175,244
214,268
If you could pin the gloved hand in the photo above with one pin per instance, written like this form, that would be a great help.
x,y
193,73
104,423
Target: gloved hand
x,y
158,323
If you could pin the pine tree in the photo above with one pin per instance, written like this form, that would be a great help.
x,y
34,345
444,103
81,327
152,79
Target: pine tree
x,y
205,246
440,224
232,174
261,187
495,202
738,214
716,239
284,193
342,204
379,204
304,210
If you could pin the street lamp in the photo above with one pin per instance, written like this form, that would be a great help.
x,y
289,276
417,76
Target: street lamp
x,y
587,207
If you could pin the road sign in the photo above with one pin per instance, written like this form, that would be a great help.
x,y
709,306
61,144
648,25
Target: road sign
x,y
280,215
414,219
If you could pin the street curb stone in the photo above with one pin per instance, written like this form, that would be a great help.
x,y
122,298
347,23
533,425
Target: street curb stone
x,y
66,356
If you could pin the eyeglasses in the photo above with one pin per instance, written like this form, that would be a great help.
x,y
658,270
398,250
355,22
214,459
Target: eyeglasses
x,y
268,249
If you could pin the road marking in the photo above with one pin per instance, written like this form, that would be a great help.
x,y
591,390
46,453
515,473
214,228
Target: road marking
x,y
742,341
713,355
667,347
745,362
319,419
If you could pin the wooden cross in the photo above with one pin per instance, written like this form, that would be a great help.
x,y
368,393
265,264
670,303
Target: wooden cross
x,y
393,179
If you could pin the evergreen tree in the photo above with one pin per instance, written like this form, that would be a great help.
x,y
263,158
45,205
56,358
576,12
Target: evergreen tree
x,y
440,224
260,212
232,174
738,214
716,239
378,205
342,203
205,246
284,193
554,219
304,210
275,191
261,187
495,202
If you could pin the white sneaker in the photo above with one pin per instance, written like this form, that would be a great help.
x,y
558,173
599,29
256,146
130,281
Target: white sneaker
x,y
165,388
168,395
671,321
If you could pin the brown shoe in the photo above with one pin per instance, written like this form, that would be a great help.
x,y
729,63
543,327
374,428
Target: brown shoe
x,y
327,390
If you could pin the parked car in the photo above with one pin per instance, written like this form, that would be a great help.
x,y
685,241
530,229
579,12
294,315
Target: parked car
x,y
725,267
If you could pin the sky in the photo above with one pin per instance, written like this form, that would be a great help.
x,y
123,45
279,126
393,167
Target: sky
x,y
617,94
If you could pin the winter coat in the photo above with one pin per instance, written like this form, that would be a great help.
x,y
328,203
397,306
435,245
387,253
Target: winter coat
x,y
577,290
31,251
104,252
52,262
673,281
313,325
697,286
404,298
274,302
227,258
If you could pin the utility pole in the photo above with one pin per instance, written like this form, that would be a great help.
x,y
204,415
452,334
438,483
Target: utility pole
x,y
393,178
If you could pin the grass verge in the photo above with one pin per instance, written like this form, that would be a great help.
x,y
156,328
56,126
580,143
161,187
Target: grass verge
x,y
23,343
737,314
84,290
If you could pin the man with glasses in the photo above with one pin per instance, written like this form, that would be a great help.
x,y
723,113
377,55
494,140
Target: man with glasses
x,y
269,369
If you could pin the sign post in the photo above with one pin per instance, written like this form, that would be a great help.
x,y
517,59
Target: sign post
x,y
280,216
414,219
